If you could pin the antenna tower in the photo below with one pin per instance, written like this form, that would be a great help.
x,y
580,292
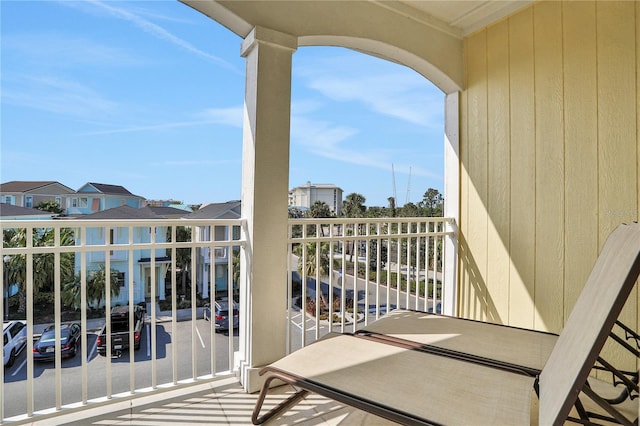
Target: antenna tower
x,y
408,187
393,173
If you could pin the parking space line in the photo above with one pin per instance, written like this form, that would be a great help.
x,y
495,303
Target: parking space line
x,y
199,336
17,370
93,350
148,340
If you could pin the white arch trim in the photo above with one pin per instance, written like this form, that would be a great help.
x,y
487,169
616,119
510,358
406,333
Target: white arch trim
x,y
388,52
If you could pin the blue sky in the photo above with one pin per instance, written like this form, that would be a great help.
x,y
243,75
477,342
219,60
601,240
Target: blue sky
x,y
149,95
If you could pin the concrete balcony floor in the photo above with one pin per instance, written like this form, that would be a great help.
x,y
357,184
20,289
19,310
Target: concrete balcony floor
x,y
224,402
221,402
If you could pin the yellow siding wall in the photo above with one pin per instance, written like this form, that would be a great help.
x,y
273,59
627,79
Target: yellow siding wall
x,y
549,157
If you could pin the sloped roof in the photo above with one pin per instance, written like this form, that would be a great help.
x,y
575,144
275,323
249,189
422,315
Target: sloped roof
x,y
167,211
228,210
122,212
104,188
9,210
29,185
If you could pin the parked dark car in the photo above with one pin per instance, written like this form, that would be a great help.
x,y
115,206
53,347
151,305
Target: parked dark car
x,y
45,348
120,330
221,314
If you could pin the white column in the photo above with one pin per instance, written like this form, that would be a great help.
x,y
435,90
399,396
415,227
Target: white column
x,y
265,182
451,200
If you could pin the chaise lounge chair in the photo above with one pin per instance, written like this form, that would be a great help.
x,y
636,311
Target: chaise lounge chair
x,y
418,368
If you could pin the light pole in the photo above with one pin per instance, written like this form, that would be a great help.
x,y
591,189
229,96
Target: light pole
x,y
5,289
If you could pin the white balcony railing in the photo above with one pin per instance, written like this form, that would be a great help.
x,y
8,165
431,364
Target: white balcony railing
x,y
371,266
366,266
43,259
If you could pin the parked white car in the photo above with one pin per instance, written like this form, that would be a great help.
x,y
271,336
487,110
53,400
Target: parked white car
x,y
15,340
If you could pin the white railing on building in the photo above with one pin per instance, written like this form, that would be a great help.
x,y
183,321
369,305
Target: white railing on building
x,y
370,265
130,247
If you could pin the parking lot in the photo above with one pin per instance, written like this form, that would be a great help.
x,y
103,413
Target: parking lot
x,y
98,367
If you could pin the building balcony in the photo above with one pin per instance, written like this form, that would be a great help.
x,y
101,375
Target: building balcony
x,y
341,275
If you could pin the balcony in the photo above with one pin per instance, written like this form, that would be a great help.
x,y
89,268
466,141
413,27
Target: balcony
x,y
342,274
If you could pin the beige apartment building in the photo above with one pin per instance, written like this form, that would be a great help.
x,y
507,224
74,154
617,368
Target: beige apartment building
x,y
303,197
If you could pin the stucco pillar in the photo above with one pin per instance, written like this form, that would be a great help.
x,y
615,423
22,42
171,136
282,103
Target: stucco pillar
x,y
265,182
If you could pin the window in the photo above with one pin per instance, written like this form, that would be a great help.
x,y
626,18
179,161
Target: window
x,y
28,201
84,202
59,201
8,199
74,202
121,281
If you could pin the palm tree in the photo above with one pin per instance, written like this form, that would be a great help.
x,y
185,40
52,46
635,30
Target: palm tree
x,y
96,283
392,206
353,205
43,264
320,209
311,265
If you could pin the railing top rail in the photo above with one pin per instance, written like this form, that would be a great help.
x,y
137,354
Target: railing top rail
x,y
101,223
339,221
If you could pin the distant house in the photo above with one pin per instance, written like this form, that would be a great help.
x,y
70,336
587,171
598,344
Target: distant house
x,y
29,194
303,197
96,197
11,212
120,258
228,210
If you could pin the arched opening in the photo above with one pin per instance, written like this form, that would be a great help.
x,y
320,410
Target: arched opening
x,y
366,125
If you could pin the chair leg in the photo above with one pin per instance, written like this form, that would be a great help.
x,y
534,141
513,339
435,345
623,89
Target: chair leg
x,y
256,419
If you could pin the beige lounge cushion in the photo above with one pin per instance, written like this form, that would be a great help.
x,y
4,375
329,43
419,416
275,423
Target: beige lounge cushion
x,y
513,345
432,387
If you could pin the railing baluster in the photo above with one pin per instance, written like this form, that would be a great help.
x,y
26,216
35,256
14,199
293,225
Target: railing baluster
x,y
174,311
154,334
57,315
107,303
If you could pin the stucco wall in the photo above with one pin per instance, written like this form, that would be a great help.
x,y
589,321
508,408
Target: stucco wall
x,y
549,157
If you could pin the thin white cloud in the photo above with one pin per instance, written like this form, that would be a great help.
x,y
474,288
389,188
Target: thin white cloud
x,y
159,32
325,140
57,95
380,86
225,116
53,50
230,116
189,163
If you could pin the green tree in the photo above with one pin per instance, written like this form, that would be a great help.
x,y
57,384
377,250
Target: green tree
x,y
433,203
353,205
320,209
410,210
311,262
43,264
50,206
96,284
375,211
